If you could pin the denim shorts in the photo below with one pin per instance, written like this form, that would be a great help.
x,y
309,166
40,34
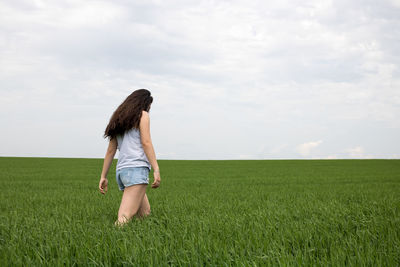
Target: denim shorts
x,y
132,175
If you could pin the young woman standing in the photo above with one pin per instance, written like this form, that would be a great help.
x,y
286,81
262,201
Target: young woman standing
x,y
129,132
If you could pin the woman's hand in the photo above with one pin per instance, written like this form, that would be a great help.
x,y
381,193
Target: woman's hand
x,y
103,185
157,179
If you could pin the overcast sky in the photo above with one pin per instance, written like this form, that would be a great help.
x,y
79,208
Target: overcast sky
x,y
230,79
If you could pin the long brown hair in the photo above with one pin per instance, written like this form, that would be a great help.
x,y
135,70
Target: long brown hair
x,y
129,113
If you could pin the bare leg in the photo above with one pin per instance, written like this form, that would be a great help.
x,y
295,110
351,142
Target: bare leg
x,y
144,209
130,203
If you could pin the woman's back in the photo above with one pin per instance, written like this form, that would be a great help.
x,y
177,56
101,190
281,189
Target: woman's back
x,y
131,153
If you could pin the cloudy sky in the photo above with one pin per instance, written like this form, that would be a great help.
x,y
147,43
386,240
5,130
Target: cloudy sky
x,y
230,79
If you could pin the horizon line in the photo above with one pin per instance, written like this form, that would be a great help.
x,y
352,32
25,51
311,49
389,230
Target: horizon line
x,y
56,157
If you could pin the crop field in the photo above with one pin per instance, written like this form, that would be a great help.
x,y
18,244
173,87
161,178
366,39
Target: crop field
x,y
205,213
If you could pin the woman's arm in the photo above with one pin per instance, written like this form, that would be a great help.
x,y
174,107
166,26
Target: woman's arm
x,y
111,150
145,138
148,148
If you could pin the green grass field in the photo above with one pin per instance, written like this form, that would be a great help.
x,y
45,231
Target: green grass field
x,y
222,213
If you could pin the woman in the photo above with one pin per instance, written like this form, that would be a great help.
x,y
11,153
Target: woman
x,y
129,131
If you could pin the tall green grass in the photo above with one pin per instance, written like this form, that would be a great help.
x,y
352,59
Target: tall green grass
x,y
222,213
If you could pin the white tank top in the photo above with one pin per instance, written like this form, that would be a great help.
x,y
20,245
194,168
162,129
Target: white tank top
x,y
131,153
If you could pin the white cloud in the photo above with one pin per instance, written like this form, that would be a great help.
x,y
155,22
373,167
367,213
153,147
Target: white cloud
x,y
305,149
357,152
331,157
246,156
